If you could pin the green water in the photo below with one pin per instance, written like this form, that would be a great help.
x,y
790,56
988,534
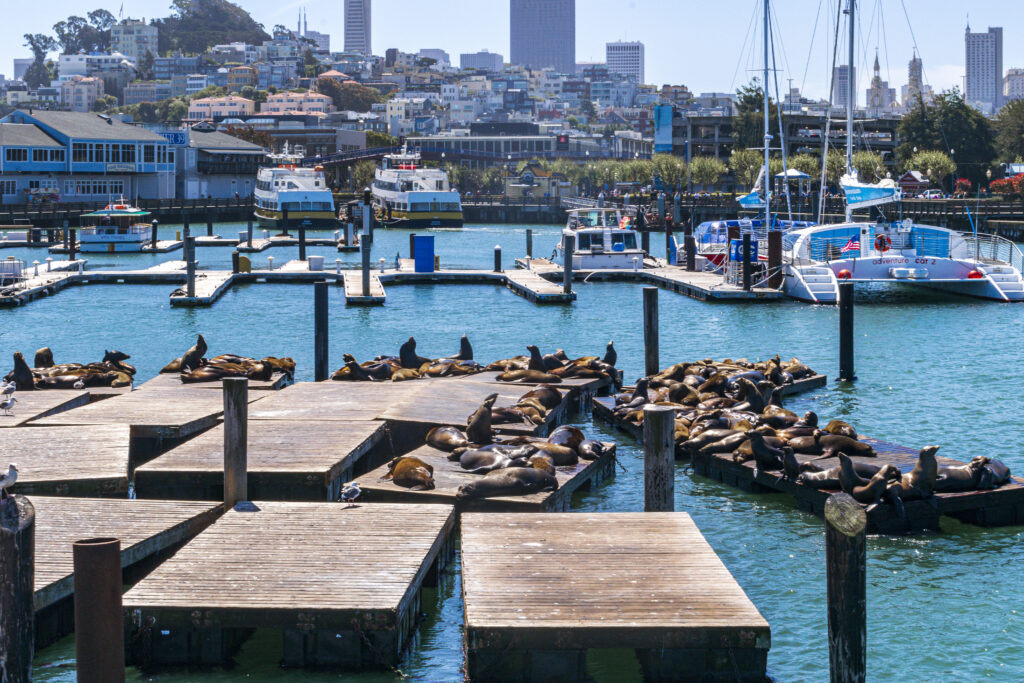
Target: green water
x,y
941,606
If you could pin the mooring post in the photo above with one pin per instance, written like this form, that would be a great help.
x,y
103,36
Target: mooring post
x,y
497,258
775,258
235,265
248,232
152,235
320,330
99,619
284,220
72,244
412,245
236,440
64,233
364,242
302,242
690,244
747,265
17,590
190,266
677,209
569,242
209,225
651,361
845,563
529,243
659,458
846,373
668,244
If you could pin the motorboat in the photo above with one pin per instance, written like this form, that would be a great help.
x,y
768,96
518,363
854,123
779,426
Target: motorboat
x,y
602,239
409,195
115,228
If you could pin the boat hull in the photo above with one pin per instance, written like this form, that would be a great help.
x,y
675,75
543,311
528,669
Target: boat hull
x,y
110,247
316,219
412,219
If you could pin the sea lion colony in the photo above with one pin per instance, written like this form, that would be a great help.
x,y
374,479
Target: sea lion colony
x,y
194,367
533,368
112,371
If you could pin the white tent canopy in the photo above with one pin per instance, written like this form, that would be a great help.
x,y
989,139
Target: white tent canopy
x,y
792,174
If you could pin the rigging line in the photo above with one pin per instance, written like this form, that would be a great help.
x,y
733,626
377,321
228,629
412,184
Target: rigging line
x,y
774,21
814,32
782,135
885,40
828,116
913,38
743,48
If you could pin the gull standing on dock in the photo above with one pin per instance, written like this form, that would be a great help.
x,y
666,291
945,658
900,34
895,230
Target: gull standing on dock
x,y
7,404
350,492
8,480
7,389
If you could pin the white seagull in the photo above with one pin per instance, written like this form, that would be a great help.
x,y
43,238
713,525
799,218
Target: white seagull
x,y
350,492
7,389
7,404
8,479
78,385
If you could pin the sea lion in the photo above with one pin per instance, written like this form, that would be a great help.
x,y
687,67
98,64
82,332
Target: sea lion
x,y
841,428
560,454
832,444
568,436
447,439
695,443
542,463
23,379
726,445
478,425
766,457
749,396
715,384
994,474
864,490
465,350
542,363
514,481
478,461
810,419
407,355
118,358
960,478
404,374
610,354
547,395
531,376
590,449
194,356
43,358
411,472
920,483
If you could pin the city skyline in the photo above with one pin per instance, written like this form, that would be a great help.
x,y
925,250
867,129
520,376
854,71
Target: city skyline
x,y
669,60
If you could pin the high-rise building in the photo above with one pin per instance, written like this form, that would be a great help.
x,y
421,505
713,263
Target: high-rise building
x,y
1013,85
543,34
483,60
984,61
357,26
879,96
21,65
134,39
841,85
915,91
626,59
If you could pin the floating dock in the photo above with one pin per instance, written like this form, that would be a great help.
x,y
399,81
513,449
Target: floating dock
x,y
342,582
354,295
172,380
146,529
286,460
541,590
998,507
449,476
40,403
69,461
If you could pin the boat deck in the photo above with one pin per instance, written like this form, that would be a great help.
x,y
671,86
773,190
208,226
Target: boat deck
x,y
540,591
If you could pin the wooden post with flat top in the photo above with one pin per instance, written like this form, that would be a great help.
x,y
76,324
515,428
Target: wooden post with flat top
x,y
236,440
17,592
845,561
651,360
846,371
569,242
320,371
659,458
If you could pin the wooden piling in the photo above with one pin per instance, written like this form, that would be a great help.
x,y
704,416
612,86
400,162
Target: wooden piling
x,y
497,258
64,233
846,559
529,243
248,232
17,574
235,261
668,244
775,258
677,209
284,220
645,239
320,363
302,242
367,216
236,435
659,458
99,619
747,265
690,244
190,266
209,226
569,242
651,361
152,235
846,371
412,245
73,244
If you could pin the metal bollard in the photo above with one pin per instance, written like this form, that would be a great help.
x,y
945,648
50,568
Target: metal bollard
x,y
497,258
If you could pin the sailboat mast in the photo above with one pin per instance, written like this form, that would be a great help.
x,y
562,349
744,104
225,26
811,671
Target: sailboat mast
x,y
850,102
767,135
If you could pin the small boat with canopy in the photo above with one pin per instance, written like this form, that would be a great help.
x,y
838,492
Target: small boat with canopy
x,y
118,227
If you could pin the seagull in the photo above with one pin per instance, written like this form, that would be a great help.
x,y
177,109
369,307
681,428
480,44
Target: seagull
x,y
79,385
7,404
8,480
7,389
350,492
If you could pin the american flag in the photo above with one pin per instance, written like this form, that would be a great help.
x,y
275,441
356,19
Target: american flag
x,y
852,245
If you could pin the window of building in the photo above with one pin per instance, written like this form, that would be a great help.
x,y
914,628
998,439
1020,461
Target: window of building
x,y
148,154
57,155
79,152
8,187
39,155
16,154
115,154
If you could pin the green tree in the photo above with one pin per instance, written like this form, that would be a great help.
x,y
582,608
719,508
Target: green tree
x,y
145,66
377,139
707,170
807,163
671,169
949,124
104,102
587,109
1009,127
349,96
251,93
748,123
37,74
746,164
932,163
362,174
870,168
196,25
257,136
835,166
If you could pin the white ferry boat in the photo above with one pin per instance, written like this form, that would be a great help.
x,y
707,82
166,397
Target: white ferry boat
x,y
115,228
409,195
603,239
302,192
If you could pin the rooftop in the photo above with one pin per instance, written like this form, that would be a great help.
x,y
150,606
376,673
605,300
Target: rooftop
x,y
25,134
78,125
217,141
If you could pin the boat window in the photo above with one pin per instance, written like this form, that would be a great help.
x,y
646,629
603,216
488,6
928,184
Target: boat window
x,y
630,240
583,240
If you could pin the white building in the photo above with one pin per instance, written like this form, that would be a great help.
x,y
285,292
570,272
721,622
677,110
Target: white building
x,y
357,26
483,60
79,93
1013,85
984,66
134,39
841,85
194,83
626,59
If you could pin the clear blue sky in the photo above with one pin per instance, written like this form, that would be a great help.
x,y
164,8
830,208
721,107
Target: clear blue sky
x,y
698,44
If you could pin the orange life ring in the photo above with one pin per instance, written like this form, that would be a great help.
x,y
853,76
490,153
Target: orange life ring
x,y
883,243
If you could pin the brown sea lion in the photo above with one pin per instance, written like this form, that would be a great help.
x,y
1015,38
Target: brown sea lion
x,y
960,478
465,350
447,439
480,461
590,449
920,483
531,376
841,428
766,457
43,358
194,356
404,374
513,481
726,445
994,474
411,472
22,374
864,490
543,463
568,436
546,394
408,357
695,443
560,455
833,444
478,425
611,356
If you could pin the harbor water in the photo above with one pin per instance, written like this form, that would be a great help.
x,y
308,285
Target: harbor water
x,y
932,369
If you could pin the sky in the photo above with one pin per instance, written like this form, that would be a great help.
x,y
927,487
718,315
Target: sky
x,y
707,46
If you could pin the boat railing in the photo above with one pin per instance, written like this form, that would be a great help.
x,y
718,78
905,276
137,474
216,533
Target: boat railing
x,y
936,247
12,272
992,249
824,249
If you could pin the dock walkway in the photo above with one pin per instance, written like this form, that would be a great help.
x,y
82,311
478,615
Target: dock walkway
x,y
40,403
540,591
342,582
69,461
354,290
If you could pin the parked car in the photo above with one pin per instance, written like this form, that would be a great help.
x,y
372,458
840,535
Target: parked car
x,y
931,194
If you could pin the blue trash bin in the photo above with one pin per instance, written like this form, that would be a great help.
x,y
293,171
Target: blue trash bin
x,y
424,245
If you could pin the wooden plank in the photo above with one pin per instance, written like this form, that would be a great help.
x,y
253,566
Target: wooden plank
x,y
39,403
354,290
144,527
449,476
76,461
562,582
330,400
287,460
172,380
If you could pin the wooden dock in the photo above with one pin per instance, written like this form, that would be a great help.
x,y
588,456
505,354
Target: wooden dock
x,y
354,290
540,591
532,287
210,284
172,380
1003,506
69,461
287,460
40,403
449,476
146,529
342,582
